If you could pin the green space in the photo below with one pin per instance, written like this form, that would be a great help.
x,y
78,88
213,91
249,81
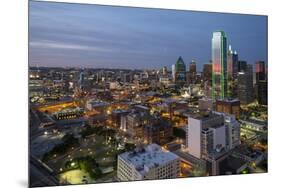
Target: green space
x,y
86,164
68,141
75,177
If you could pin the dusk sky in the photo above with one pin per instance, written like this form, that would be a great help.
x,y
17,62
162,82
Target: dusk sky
x,y
80,35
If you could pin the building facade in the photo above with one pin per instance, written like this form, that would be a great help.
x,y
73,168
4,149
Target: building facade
x,y
159,133
228,106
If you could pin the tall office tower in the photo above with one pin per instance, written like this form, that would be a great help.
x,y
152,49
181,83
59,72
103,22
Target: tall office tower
x,y
260,71
242,66
179,72
151,162
262,92
192,71
245,85
192,67
207,71
219,59
232,63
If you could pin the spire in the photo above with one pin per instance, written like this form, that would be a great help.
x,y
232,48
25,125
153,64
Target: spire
x,y
229,49
180,60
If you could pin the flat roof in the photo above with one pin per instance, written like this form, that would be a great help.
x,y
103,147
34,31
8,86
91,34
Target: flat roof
x,y
148,157
228,100
204,116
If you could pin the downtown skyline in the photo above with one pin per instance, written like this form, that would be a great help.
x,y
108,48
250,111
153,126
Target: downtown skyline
x,y
95,36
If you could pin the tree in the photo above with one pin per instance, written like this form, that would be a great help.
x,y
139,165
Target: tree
x,y
178,132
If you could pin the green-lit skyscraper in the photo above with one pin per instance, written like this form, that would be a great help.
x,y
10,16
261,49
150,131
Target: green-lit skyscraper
x,y
219,60
179,72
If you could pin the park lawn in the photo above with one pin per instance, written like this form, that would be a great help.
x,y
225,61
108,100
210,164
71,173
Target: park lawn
x,y
75,177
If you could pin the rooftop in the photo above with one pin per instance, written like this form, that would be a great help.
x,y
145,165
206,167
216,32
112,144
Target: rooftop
x,y
148,157
228,100
206,115
96,103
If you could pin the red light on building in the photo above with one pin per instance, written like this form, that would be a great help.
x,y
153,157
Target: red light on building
x,y
216,68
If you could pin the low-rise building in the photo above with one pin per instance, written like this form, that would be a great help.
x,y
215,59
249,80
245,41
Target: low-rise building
x,y
228,106
159,133
150,162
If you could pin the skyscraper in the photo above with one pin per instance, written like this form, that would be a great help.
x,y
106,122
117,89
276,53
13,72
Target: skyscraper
x,y
192,72
242,66
245,85
207,71
261,83
232,63
192,67
179,72
260,71
262,92
219,59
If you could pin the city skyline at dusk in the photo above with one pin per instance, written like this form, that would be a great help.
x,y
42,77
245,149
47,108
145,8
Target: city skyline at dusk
x,y
121,94
106,37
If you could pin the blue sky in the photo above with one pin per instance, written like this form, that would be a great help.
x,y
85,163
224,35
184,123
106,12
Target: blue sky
x,y
80,35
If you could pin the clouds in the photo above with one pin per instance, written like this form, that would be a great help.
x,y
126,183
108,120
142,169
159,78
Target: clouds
x,y
103,36
65,46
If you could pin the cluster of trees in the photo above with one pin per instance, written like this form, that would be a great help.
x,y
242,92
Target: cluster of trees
x,y
178,132
88,130
68,141
87,164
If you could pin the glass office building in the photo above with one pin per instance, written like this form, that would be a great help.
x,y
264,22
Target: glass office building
x,y
219,59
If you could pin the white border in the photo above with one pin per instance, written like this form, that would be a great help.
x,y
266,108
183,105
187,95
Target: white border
x,y
13,77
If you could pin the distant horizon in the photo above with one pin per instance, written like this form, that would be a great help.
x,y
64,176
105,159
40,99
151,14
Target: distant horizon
x,y
96,36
